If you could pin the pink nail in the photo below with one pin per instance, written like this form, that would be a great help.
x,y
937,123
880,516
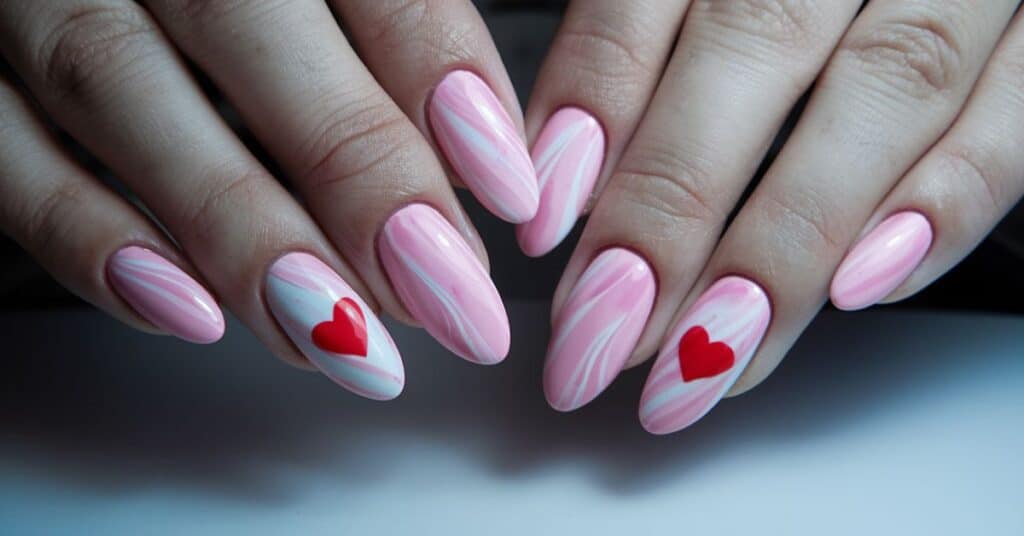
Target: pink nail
x,y
705,355
598,327
483,146
165,295
568,156
333,327
443,284
881,261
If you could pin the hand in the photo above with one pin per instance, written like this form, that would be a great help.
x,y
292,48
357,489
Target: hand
x,y
347,123
907,154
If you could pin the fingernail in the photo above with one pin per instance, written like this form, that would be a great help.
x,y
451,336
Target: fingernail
x,y
333,327
705,354
567,156
165,295
483,146
881,261
443,284
597,328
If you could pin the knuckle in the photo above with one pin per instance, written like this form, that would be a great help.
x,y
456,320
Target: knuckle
x,y
976,170
666,188
791,24
94,46
51,218
424,26
807,221
356,142
231,189
609,44
921,57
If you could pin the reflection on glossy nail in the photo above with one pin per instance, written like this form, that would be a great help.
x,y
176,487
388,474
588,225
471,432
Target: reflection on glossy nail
x,y
597,328
444,286
165,295
568,156
483,146
333,327
705,354
881,261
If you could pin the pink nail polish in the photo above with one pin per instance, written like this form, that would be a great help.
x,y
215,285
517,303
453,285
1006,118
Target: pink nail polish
x,y
333,327
443,284
568,156
483,146
597,328
705,355
881,261
165,295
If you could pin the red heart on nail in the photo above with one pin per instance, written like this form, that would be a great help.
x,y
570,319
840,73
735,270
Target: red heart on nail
x,y
345,333
701,358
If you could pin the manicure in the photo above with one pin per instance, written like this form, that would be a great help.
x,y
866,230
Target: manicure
x,y
444,286
705,355
333,327
567,156
881,261
483,146
597,328
165,295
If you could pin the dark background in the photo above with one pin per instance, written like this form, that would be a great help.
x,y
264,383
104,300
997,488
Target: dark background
x,y
991,279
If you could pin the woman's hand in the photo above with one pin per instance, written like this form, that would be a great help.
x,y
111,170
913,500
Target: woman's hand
x,y
353,125
907,154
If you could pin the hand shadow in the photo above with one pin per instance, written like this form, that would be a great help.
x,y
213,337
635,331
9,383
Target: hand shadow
x,y
93,404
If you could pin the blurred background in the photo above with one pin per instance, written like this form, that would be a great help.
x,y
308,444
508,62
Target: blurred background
x,y
523,30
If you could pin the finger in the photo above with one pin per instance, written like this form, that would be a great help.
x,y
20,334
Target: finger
x,y
894,85
591,92
91,240
105,73
728,88
439,63
952,198
353,155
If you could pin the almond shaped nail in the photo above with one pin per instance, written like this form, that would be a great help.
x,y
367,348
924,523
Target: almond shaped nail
x,y
444,286
333,327
597,328
705,354
881,261
568,157
483,146
165,295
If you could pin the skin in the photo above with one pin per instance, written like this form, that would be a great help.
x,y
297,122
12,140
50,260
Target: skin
x,y
917,105
347,128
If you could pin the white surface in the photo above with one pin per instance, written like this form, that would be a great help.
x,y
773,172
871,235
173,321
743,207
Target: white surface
x,y
878,423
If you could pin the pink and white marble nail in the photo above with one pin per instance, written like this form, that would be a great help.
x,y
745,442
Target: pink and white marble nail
x,y
881,261
705,354
333,327
483,146
444,286
165,295
568,157
597,328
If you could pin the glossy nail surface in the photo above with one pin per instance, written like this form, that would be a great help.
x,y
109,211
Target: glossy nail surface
x,y
333,327
881,261
483,146
444,286
567,156
165,295
705,354
597,328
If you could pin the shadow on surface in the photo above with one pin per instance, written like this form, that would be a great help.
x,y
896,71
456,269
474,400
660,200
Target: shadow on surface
x,y
91,403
